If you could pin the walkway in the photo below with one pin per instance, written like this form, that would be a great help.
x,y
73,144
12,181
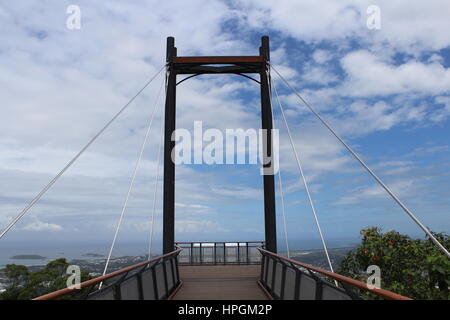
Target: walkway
x,y
224,282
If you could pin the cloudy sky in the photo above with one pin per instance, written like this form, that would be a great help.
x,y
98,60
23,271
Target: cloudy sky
x,y
386,91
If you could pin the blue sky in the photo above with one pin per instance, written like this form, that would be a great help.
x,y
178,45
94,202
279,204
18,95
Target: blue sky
x,y
385,91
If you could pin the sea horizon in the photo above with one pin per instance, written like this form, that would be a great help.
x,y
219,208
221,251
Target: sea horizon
x,y
75,251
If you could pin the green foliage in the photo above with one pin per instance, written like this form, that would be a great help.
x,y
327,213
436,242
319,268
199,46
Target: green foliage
x,y
415,268
24,285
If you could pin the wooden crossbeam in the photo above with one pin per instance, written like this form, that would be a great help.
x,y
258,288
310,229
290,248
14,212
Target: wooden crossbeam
x,y
218,59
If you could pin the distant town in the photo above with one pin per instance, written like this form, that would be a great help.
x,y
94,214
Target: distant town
x,y
96,263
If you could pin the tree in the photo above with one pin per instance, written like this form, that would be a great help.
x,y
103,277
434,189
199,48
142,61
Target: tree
x,y
17,279
415,268
25,285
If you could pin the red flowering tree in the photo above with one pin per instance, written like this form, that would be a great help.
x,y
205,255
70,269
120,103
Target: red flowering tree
x,y
415,268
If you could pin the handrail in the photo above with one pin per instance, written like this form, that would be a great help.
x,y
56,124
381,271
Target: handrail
x,y
88,283
361,285
217,252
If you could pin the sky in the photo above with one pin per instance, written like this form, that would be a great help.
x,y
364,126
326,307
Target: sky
x,y
386,91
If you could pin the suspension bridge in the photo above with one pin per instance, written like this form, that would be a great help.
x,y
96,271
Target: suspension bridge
x,y
250,270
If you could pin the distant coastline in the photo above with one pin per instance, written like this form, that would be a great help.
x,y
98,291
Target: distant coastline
x,y
28,257
93,255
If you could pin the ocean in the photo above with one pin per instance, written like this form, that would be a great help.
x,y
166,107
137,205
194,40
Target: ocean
x,y
70,251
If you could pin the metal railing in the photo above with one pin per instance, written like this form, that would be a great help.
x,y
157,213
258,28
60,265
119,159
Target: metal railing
x,y
287,279
208,252
155,279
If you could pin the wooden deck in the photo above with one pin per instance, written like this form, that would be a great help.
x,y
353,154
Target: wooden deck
x,y
223,282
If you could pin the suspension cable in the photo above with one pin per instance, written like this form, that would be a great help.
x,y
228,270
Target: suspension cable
x,y
150,240
130,188
52,182
156,188
304,180
280,183
357,157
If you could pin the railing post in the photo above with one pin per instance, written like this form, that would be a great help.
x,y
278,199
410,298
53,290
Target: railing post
x,y
319,289
350,292
116,291
272,285
266,275
87,292
247,253
319,285
298,275
177,272
238,252
224,253
172,271
155,284
263,267
166,284
140,288
283,281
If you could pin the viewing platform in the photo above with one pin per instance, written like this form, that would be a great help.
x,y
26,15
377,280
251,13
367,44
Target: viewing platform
x,y
221,271
220,282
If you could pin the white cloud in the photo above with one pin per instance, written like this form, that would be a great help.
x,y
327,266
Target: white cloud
x,y
198,226
407,26
396,171
319,75
194,206
304,20
368,75
59,86
42,226
238,192
402,188
442,113
362,118
394,163
192,209
322,56
428,150
287,72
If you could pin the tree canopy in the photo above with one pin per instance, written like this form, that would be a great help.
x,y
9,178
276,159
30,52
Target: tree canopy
x,y
415,268
24,285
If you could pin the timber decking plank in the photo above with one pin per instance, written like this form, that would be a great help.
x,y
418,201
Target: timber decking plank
x,y
224,282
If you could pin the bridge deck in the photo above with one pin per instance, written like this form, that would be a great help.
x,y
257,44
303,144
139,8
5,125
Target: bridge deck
x,y
224,282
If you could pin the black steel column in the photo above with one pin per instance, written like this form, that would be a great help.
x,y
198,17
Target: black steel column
x,y
169,165
268,178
